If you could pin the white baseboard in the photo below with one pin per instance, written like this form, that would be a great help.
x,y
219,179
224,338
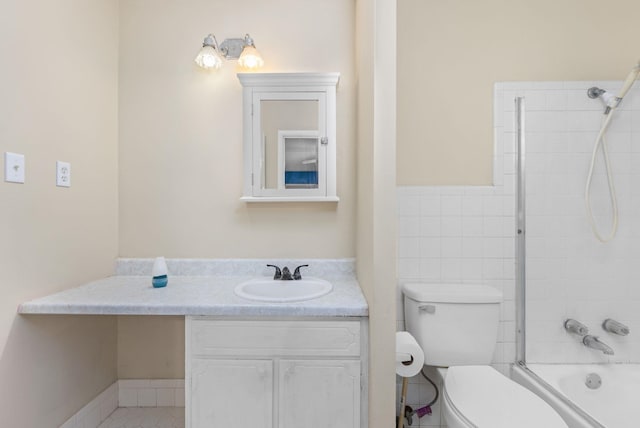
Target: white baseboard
x,y
96,411
128,393
151,393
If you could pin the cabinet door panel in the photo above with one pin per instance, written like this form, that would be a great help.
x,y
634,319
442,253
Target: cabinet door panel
x,y
231,393
319,394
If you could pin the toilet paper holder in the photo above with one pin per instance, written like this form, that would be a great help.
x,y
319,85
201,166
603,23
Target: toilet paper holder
x,y
404,358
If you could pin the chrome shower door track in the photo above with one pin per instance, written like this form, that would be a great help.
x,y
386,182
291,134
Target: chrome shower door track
x,y
520,231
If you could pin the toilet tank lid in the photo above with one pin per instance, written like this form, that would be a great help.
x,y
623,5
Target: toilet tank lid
x,y
451,293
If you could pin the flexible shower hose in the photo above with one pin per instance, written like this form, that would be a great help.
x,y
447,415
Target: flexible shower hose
x,y
602,142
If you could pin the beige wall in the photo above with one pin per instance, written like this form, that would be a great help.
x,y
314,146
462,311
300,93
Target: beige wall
x,y
58,82
451,52
181,146
376,246
150,347
181,129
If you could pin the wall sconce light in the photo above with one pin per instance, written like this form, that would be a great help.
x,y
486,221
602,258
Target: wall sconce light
x,y
244,50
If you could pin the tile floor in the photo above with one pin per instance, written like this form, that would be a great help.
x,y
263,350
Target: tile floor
x,y
145,417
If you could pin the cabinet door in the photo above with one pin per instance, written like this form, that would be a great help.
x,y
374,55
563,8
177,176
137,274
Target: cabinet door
x,y
231,393
290,140
319,394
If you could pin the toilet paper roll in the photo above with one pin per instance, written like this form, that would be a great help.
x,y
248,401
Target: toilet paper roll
x,y
408,349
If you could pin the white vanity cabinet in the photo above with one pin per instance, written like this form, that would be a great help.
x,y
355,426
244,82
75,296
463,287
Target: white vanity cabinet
x,y
221,391
274,373
319,393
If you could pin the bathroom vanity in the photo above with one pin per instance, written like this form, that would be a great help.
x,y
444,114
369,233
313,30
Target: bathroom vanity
x,y
247,363
267,373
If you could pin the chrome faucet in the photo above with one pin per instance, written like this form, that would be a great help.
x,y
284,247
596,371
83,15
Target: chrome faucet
x,y
296,272
615,327
285,273
278,273
594,343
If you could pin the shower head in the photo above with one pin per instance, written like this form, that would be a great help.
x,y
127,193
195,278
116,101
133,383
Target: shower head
x,y
595,92
610,100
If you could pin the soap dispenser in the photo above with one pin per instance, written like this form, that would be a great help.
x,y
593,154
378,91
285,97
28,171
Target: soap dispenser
x,y
159,273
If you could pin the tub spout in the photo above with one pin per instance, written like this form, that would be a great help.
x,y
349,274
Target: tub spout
x,y
594,343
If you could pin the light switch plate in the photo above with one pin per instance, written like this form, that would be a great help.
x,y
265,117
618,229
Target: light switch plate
x,y
63,174
13,167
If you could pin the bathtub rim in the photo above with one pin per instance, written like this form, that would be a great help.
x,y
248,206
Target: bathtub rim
x,y
573,415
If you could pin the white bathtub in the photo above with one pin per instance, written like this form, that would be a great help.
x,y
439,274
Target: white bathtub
x,y
614,404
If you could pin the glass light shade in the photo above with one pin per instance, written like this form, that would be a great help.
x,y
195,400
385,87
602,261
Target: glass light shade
x,y
250,58
209,58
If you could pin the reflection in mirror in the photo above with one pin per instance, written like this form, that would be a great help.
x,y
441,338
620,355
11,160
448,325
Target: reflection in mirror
x,y
299,150
289,131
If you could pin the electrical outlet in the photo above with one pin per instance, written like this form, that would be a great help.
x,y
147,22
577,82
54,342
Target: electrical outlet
x,y
13,167
63,174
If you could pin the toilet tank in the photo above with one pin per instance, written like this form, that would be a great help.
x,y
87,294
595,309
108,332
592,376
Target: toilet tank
x,y
455,324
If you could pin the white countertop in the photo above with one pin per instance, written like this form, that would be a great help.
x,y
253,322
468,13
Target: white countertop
x,y
190,295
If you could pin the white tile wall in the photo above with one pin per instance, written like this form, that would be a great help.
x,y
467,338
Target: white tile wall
x,y
96,411
470,238
151,393
419,392
166,417
168,393
460,234
570,274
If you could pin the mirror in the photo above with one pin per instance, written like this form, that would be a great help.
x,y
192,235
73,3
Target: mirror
x,y
289,137
290,134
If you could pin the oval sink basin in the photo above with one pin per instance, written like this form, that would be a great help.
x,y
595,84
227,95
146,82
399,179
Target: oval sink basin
x,y
270,290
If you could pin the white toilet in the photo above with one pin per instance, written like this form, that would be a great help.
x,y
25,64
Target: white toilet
x,y
457,326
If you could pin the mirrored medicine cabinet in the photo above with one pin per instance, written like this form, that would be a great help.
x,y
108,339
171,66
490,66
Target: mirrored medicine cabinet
x,y
289,128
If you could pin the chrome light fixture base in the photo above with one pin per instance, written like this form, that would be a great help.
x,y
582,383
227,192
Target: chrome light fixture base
x,y
241,49
232,48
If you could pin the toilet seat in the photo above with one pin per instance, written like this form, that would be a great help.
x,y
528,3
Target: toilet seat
x,y
479,396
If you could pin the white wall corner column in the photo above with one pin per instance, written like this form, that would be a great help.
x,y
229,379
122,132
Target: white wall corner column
x,y
376,236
